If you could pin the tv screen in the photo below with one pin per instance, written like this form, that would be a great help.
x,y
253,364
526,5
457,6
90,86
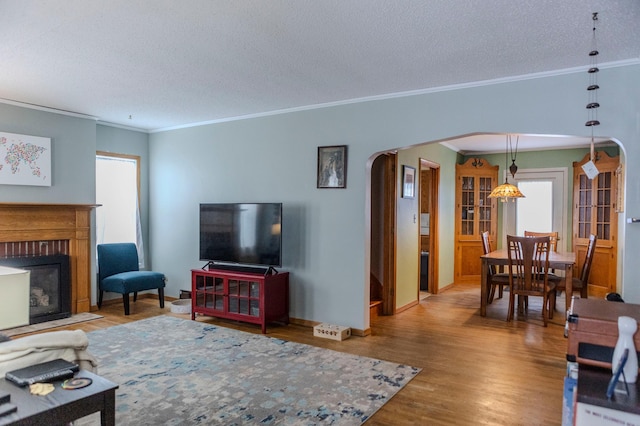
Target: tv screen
x,y
247,233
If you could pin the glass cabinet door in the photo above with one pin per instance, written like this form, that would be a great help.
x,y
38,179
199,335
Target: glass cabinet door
x,y
583,206
603,206
594,212
475,213
484,205
467,205
244,297
475,205
209,292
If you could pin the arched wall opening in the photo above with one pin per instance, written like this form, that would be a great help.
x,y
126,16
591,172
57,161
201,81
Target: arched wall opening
x,y
447,152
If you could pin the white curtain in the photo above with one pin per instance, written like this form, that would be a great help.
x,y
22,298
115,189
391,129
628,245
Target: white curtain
x,y
118,217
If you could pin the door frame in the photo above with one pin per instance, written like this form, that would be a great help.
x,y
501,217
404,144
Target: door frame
x,y
434,191
389,234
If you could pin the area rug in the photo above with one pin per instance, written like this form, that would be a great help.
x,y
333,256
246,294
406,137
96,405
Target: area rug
x,y
73,319
174,371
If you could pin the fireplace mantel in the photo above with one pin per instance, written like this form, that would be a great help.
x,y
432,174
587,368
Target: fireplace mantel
x,y
35,222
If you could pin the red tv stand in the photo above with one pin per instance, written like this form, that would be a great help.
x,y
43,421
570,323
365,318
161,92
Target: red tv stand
x,y
253,297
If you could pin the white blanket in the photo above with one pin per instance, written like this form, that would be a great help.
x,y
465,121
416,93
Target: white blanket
x,y
70,345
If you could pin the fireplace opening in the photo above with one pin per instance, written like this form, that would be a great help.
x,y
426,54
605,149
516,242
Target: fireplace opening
x,y
50,286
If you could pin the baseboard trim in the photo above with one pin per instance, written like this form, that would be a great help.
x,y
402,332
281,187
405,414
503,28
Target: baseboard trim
x,y
118,300
407,306
447,287
296,321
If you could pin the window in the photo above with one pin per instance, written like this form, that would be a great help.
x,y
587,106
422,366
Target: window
x,y
117,191
535,211
544,208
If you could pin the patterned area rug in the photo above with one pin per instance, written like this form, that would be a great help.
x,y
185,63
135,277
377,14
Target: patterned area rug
x,y
174,371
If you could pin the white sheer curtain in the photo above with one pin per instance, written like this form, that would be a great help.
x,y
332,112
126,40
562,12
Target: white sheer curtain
x,y
118,217
535,211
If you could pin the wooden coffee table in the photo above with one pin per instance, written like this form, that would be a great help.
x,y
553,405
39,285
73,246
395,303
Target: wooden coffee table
x,y
62,406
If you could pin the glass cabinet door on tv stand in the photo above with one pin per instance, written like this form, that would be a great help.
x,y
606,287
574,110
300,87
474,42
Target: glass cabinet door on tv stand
x,y
242,296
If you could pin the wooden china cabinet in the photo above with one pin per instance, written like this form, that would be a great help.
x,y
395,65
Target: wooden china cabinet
x,y
595,211
475,213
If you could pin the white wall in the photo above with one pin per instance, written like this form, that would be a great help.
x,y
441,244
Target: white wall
x,y
325,237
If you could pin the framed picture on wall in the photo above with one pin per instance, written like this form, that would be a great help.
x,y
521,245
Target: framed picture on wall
x,y
332,166
408,182
27,160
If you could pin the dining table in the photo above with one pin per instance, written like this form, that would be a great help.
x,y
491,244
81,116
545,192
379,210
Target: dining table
x,y
557,260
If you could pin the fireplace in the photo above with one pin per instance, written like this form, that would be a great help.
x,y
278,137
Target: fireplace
x,y
50,286
48,229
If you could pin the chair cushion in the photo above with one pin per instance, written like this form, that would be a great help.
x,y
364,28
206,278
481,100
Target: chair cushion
x,y
129,282
555,278
559,282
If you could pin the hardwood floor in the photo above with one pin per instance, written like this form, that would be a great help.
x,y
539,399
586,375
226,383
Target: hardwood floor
x,y
476,371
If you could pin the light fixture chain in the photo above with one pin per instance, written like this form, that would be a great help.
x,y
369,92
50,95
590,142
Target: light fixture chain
x,y
592,89
513,153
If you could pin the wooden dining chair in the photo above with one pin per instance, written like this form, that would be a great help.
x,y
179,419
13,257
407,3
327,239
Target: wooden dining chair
x,y
553,240
528,270
495,278
553,237
581,282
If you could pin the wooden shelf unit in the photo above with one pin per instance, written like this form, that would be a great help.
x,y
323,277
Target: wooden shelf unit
x,y
595,211
475,213
242,296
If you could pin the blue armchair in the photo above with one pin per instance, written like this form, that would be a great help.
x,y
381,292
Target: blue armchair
x,y
118,272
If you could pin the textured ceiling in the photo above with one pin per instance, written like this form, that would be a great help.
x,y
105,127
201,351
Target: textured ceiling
x,y
159,64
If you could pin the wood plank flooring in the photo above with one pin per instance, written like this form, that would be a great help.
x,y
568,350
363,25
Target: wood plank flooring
x,y
476,371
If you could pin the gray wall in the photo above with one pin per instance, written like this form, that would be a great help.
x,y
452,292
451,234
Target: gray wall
x,y
73,146
73,159
326,233
74,142
326,237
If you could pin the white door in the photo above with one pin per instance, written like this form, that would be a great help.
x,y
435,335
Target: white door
x,y
544,208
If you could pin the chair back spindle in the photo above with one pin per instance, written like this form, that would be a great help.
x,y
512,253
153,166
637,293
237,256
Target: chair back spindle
x,y
553,237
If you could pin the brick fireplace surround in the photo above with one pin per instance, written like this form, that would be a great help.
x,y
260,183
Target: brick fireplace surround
x,y
39,229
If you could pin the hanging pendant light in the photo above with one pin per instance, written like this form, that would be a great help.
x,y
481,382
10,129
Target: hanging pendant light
x,y
507,191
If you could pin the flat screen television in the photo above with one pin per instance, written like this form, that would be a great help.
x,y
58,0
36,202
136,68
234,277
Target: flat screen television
x,y
241,233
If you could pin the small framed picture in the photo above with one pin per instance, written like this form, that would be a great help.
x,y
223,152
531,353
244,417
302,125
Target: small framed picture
x,y
332,166
408,182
